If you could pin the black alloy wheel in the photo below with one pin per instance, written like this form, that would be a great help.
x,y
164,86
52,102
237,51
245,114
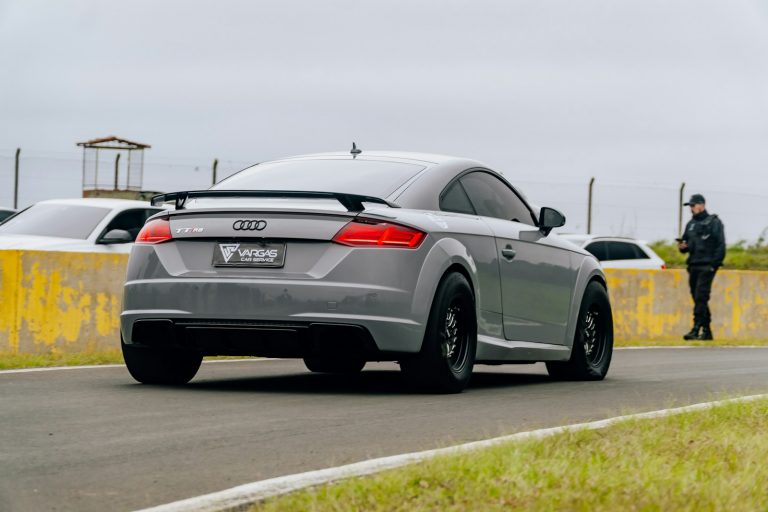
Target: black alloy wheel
x,y
593,342
592,336
454,343
447,356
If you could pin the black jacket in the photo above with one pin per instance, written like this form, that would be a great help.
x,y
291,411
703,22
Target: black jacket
x,y
705,236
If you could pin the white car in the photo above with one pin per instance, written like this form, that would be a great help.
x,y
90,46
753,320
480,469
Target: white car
x,y
77,225
618,252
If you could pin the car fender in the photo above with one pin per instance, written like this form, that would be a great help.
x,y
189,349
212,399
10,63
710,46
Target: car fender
x,y
445,253
589,270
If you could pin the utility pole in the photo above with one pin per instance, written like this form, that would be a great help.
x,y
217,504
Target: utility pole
x,y
680,212
589,207
117,163
215,166
16,181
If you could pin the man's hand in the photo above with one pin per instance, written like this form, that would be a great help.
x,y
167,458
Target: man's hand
x,y
682,244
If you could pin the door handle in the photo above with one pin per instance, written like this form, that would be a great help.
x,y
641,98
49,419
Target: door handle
x,y
509,253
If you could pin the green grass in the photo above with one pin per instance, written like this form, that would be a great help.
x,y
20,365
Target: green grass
x,y
739,256
678,342
706,460
13,361
59,358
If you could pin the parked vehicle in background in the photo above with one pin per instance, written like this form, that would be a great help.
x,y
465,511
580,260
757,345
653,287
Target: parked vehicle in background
x,y
618,252
5,213
79,225
435,262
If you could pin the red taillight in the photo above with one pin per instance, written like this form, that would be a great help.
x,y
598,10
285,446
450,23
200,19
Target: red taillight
x,y
663,266
379,234
155,232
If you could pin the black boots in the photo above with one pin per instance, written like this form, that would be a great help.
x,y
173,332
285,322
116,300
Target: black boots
x,y
693,334
699,332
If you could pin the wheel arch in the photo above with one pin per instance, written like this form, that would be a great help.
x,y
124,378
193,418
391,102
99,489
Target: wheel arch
x,y
446,256
589,271
600,279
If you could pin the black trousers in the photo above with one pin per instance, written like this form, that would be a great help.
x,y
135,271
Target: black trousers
x,y
700,279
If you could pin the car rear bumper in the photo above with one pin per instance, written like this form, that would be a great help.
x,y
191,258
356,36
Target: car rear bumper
x,y
281,318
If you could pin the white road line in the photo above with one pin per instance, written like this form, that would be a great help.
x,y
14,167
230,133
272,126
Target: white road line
x,y
676,347
239,497
98,366
57,368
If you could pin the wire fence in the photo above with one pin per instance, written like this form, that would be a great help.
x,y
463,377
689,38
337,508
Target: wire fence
x,y
621,208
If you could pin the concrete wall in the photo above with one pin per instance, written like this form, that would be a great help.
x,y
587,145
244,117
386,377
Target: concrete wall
x,y
60,301
657,305
57,301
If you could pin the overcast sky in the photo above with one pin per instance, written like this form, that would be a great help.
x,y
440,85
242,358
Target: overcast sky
x,y
642,94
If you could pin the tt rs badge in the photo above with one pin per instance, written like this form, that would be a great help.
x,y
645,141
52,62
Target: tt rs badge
x,y
189,230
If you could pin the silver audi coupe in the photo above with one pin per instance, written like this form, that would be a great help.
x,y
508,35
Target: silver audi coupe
x,y
436,262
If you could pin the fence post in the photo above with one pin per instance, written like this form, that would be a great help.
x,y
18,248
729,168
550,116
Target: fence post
x,y
589,207
16,181
117,162
680,212
215,166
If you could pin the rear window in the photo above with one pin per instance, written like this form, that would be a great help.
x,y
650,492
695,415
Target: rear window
x,y
598,250
4,214
625,251
57,220
615,251
362,177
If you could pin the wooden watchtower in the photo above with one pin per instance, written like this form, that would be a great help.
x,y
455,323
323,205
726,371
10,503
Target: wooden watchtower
x,y
113,167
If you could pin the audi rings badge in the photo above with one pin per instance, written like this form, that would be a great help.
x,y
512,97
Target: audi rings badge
x,y
249,225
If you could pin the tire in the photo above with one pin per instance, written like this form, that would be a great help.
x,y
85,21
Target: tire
x,y
593,342
328,365
150,365
447,356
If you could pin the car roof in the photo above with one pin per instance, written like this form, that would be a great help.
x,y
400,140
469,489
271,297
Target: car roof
x,y
591,238
406,156
101,202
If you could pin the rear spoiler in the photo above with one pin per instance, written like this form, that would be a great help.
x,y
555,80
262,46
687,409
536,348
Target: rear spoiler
x,y
352,202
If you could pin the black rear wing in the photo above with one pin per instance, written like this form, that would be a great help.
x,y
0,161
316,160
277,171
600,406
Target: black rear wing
x,y
352,202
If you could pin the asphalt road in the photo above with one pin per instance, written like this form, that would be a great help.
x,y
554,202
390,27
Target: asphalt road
x,y
93,440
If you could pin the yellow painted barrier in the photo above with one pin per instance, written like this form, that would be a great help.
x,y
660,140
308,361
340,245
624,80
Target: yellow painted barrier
x,y
657,304
61,301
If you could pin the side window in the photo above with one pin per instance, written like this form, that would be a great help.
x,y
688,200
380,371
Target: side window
x,y
130,221
492,197
621,251
598,250
456,200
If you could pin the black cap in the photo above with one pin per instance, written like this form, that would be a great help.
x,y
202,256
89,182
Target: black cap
x,y
695,199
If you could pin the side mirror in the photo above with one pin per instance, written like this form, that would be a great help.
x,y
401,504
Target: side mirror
x,y
550,218
116,236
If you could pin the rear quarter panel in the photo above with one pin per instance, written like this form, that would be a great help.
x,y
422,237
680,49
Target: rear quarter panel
x,y
462,242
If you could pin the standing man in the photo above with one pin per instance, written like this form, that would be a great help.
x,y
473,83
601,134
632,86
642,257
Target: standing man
x,y
704,241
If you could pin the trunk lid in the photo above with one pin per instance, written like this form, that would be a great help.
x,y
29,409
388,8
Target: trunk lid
x,y
204,241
